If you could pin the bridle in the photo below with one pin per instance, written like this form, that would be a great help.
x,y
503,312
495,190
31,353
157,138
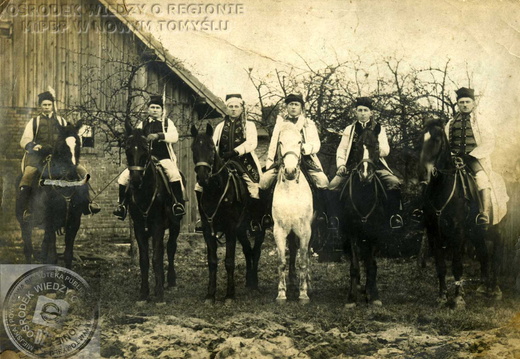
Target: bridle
x,y
377,184
298,156
148,163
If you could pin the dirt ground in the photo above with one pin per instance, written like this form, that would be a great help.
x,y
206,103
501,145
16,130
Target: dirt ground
x,y
409,325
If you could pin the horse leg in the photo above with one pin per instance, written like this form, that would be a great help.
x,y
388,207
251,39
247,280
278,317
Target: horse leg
x,y
355,275
144,260
304,265
157,260
478,239
248,254
231,243
293,250
257,251
440,265
211,245
280,238
371,274
27,242
171,249
497,245
457,270
71,230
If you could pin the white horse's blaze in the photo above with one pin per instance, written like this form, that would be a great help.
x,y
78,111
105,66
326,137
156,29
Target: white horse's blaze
x,y
366,156
427,137
71,142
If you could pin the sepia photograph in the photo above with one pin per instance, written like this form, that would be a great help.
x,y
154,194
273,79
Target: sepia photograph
x,y
259,179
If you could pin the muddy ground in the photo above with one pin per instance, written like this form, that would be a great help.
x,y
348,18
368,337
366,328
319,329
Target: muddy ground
x,y
409,325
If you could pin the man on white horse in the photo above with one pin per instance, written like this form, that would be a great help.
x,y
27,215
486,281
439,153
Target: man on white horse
x,y
162,133
346,160
471,137
310,146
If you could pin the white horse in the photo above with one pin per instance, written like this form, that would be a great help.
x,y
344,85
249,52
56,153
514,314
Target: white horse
x,y
292,212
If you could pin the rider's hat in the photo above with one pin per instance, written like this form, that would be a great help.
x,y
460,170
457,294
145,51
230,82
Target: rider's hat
x,y
465,92
156,100
364,101
234,98
45,96
294,98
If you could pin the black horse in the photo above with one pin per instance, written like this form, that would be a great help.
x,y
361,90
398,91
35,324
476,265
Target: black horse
x,y
449,214
362,197
150,206
222,207
58,201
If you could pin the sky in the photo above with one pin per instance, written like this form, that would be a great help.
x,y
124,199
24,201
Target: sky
x,y
481,37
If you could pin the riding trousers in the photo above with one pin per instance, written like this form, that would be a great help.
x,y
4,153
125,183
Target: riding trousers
x,y
252,187
170,169
390,181
319,177
481,177
30,171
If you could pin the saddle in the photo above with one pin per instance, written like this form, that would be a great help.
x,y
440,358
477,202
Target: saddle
x,y
238,184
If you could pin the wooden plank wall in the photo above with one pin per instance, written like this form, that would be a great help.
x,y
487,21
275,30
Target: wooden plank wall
x,y
34,60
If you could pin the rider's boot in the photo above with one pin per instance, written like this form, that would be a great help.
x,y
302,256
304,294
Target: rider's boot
x,y
484,208
178,207
22,203
256,212
92,207
333,209
121,211
394,207
266,204
320,205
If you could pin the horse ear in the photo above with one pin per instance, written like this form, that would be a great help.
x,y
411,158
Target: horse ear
x,y
194,131
128,128
209,130
377,129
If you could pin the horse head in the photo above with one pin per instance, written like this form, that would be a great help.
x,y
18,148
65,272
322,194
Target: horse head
x,y
66,152
204,153
368,150
137,156
290,147
434,149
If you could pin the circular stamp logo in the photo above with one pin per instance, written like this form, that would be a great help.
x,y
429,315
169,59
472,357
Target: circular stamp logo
x,y
50,311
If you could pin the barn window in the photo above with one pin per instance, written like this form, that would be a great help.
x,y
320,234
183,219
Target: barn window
x,y
86,133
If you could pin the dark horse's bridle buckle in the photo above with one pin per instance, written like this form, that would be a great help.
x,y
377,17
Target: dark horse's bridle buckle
x,y
458,162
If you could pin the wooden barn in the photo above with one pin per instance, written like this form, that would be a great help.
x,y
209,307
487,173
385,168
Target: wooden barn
x,y
48,45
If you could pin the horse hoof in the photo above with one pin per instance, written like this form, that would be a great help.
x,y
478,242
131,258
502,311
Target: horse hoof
x,y
304,301
459,303
496,294
209,301
350,305
482,290
229,301
377,303
281,300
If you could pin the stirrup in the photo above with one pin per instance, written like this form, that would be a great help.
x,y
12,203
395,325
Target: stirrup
x,y
178,209
482,219
396,221
417,215
26,216
255,226
93,208
333,223
267,221
120,212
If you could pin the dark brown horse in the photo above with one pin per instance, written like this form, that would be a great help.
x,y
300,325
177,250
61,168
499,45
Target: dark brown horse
x,y
58,199
222,207
150,205
362,197
449,214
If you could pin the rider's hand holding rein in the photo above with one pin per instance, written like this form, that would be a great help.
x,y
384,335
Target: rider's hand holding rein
x,y
153,137
342,171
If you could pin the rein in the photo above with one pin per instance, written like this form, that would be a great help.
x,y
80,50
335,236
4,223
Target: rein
x,y
211,217
148,164
298,165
